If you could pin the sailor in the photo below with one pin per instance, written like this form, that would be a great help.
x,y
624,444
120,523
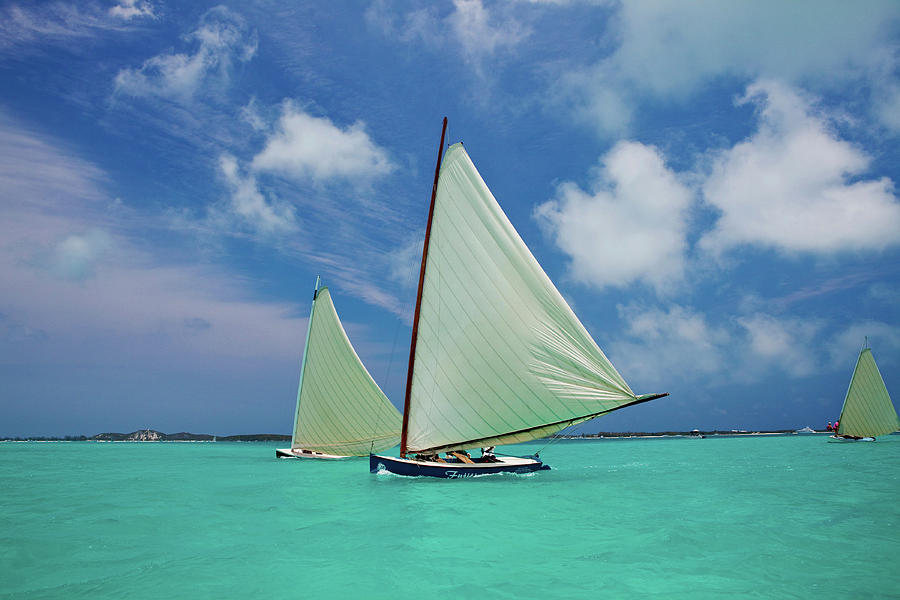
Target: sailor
x,y
452,454
829,427
487,454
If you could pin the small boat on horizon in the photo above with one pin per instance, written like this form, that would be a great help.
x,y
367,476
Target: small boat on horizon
x,y
341,411
867,411
497,356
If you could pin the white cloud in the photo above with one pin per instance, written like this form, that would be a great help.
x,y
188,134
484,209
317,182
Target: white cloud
x,y
884,340
630,227
794,186
669,50
785,344
130,9
249,205
221,39
662,345
305,147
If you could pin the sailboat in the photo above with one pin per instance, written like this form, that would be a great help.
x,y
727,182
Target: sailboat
x,y
868,410
341,411
497,356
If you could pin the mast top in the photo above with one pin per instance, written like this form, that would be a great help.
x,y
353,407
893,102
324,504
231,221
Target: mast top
x,y
415,327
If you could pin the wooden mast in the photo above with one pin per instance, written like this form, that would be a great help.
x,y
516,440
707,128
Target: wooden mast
x,y
415,326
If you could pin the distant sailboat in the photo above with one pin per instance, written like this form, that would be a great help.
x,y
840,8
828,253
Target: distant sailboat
x,y
868,410
497,356
341,411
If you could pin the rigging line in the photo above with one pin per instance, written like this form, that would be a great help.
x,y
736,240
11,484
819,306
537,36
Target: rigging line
x,y
557,436
408,284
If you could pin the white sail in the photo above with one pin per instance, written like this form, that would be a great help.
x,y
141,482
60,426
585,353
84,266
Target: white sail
x,y
868,410
340,408
500,356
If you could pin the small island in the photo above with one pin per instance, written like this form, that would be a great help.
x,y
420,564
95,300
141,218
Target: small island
x,y
151,435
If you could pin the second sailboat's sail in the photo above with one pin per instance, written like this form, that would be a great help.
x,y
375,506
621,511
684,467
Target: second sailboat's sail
x,y
340,408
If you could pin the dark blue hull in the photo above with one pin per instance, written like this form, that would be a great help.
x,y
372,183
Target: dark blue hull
x,y
453,470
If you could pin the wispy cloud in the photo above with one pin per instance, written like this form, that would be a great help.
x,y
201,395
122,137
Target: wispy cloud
x,y
478,36
630,226
132,9
52,23
220,39
475,32
251,207
78,272
796,187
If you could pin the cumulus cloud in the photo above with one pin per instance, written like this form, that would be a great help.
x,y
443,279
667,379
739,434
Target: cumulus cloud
x,y
665,344
305,147
250,206
794,186
883,338
130,9
629,227
785,344
669,50
681,343
221,39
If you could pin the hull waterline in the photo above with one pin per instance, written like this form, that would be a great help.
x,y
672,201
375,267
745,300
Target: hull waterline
x,y
844,440
454,470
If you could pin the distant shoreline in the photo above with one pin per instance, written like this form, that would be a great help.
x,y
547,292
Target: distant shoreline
x,y
150,435
689,434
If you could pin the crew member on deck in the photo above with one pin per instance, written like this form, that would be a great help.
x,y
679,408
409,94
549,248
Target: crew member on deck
x,y
487,454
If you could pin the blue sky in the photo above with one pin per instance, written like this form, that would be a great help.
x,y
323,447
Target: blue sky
x,y
712,186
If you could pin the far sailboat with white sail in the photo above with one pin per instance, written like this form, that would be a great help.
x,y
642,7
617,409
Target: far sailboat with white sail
x,y
868,410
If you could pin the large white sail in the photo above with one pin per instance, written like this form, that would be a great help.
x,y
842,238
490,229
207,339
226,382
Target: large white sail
x,y
340,408
868,410
500,356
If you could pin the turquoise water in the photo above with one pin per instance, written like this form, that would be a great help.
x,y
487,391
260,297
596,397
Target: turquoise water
x,y
761,517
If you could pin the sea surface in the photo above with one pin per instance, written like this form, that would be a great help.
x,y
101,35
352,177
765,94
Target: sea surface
x,y
747,517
